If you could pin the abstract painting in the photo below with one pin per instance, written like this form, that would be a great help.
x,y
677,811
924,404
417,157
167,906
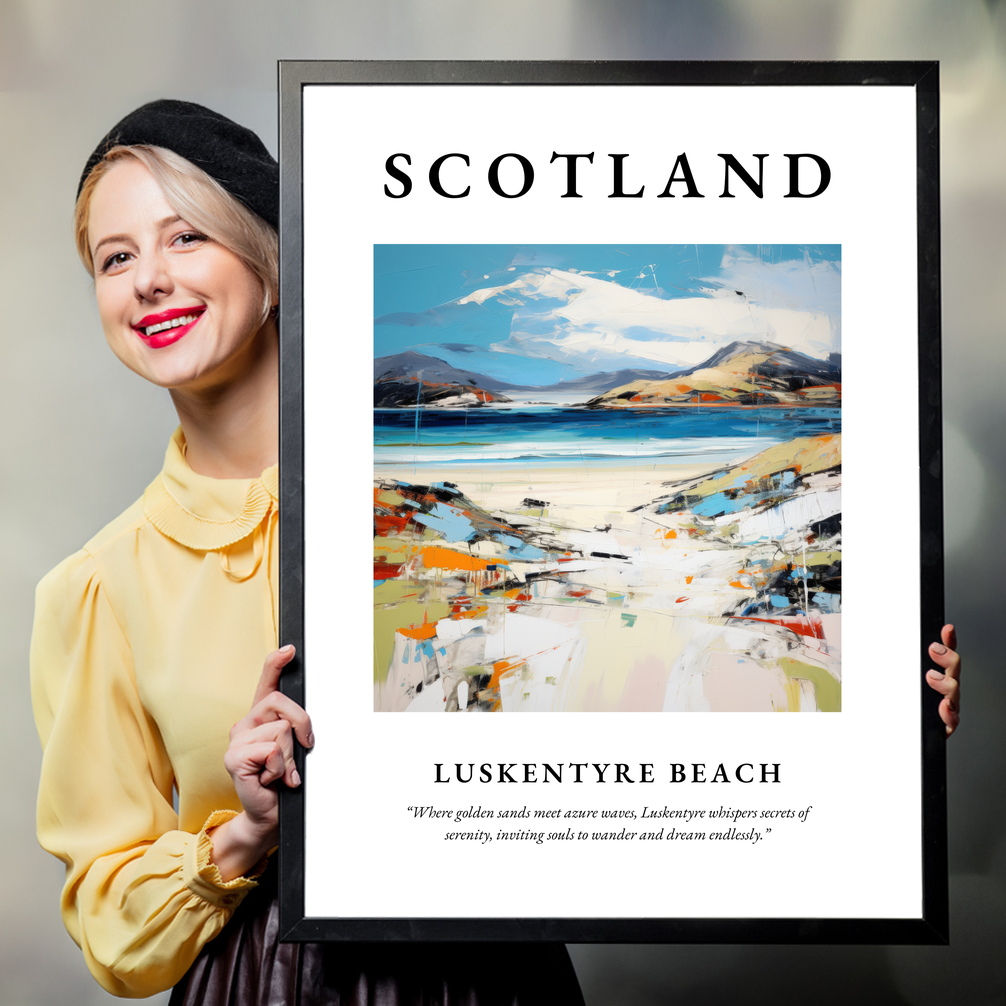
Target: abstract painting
x,y
607,478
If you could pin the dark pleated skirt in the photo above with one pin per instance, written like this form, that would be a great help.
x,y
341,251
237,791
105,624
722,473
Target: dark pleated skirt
x,y
246,965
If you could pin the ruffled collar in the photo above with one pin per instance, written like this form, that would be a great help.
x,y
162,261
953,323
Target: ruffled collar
x,y
203,513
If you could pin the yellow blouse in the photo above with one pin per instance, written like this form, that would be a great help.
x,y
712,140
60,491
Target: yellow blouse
x,y
147,647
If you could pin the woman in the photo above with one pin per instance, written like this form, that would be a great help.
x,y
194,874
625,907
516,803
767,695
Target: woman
x,y
148,643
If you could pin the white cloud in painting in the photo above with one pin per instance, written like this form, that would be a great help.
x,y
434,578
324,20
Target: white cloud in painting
x,y
593,323
798,284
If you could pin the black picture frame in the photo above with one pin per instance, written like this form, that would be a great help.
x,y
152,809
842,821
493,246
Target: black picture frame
x,y
932,925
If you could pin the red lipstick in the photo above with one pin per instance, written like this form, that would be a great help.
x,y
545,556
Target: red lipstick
x,y
166,327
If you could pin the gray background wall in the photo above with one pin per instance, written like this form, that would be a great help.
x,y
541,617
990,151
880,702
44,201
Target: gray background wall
x,y
81,436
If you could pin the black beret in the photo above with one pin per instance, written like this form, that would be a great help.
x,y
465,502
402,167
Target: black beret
x,y
230,154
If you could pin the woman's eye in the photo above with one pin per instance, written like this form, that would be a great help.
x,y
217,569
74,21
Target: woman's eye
x,y
190,238
114,261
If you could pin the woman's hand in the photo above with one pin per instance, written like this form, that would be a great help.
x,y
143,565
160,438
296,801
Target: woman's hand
x,y
947,682
260,753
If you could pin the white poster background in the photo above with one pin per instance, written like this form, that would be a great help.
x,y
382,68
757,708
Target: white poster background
x,y
858,854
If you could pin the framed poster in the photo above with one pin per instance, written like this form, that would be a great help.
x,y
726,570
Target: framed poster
x,y
610,396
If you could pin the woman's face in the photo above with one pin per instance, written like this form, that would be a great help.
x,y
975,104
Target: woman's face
x,y
177,308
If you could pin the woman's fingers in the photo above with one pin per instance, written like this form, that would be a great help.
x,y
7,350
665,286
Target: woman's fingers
x,y
947,681
949,688
949,636
278,735
950,716
274,766
277,706
949,710
945,653
944,684
270,703
259,760
948,659
271,671
261,749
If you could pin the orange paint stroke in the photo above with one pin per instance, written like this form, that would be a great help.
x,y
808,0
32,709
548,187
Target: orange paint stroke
x,y
424,631
480,609
436,557
500,668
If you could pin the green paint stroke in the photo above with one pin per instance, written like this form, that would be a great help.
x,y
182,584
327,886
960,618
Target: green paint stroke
x,y
628,621
391,613
827,690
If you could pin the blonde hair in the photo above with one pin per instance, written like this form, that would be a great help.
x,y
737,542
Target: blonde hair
x,y
199,200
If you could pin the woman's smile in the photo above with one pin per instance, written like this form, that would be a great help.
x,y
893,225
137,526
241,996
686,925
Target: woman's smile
x,y
166,327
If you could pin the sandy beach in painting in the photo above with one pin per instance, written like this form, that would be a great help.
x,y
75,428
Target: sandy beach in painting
x,y
611,489
617,607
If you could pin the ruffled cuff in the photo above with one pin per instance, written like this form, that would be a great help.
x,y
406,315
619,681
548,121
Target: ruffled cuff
x,y
203,878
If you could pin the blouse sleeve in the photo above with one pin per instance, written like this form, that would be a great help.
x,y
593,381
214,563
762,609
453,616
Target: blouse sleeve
x,y
141,898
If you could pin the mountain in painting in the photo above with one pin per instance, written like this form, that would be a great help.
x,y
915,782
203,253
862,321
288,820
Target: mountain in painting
x,y
403,368
397,377
396,394
742,373
408,379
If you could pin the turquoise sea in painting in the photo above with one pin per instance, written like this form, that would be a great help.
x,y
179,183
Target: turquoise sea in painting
x,y
550,435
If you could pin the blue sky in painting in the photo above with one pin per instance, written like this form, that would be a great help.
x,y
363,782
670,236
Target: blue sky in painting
x,y
537,315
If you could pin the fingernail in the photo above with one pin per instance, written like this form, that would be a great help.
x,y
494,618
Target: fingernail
x,y
310,740
287,649
938,648
295,777
936,676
